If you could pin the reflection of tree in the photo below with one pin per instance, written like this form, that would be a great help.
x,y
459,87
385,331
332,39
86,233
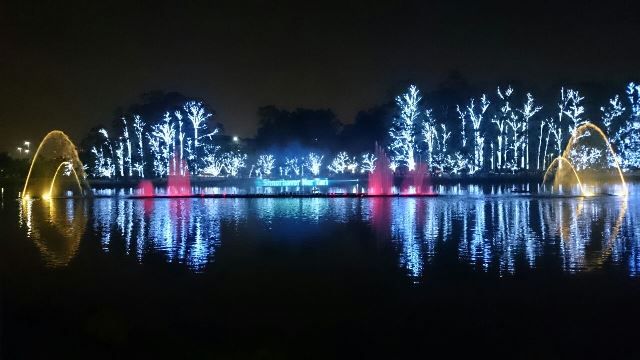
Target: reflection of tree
x,y
576,224
493,234
182,230
55,226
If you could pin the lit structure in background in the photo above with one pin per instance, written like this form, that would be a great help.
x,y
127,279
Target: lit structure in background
x,y
24,149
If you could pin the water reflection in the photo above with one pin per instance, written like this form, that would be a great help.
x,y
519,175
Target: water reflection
x,y
497,234
504,235
56,227
183,230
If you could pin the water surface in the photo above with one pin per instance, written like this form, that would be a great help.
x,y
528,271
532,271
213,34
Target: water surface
x,y
280,276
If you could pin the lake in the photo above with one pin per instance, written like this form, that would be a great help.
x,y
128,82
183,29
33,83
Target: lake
x,y
477,269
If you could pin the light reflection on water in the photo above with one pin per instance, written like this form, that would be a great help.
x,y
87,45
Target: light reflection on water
x,y
498,234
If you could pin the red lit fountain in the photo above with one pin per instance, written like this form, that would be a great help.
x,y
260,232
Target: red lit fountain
x,y
417,182
145,188
178,181
381,178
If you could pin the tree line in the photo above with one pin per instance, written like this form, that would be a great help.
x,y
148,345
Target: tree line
x,y
505,130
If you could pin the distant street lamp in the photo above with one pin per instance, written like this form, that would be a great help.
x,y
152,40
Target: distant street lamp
x,y
235,139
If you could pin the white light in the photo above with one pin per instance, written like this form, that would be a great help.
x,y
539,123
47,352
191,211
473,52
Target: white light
x,y
235,139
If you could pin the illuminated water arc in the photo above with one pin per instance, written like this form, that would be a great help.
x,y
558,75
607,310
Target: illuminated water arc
x,y
589,125
74,157
55,175
559,159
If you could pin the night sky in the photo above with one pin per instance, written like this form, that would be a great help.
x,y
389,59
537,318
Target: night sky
x,y
70,66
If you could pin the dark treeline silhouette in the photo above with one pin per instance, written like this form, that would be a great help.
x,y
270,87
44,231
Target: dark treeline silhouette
x,y
13,168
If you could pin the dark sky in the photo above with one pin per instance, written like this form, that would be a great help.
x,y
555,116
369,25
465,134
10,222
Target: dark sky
x,y
69,65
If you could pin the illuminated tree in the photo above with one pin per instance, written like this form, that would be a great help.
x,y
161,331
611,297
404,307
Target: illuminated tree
x,y
542,124
627,138
505,113
439,160
181,136
292,167
393,166
584,156
127,141
120,157
611,113
456,163
368,163
352,165
102,165
430,135
463,117
556,130
198,116
213,163
402,131
165,133
104,162
265,164
476,115
570,105
233,162
138,128
339,163
313,162
529,109
159,167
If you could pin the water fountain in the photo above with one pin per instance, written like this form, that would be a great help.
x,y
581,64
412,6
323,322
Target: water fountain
x,y
563,174
55,153
178,180
381,178
145,189
588,162
416,181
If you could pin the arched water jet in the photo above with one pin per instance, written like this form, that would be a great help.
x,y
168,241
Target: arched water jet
x,y
55,176
578,134
61,150
559,160
566,157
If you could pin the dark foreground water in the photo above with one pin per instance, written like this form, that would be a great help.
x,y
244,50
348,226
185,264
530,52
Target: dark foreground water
x,y
469,272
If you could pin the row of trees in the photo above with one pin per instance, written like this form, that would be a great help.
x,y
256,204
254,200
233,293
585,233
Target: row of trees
x,y
501,135
498,132
180,140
